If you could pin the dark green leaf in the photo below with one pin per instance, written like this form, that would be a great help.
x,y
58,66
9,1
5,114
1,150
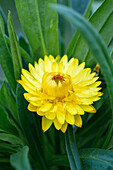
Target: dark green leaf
x,y
7,149
4,123
6,60
97,159
32,131
72,150
14,48
20,160
94,159
5,97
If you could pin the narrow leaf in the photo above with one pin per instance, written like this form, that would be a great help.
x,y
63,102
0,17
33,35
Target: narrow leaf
x,y
5,125
6,60
5,97
72,150
11,139
14,48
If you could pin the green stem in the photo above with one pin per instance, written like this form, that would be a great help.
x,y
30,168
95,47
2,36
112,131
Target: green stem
x,y
72,150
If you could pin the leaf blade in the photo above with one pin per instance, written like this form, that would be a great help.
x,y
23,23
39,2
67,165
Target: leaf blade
x,y
14,48
20,159
6,60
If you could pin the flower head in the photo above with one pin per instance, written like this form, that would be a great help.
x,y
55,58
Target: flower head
x,y
60,91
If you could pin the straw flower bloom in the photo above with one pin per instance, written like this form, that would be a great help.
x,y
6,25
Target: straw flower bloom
x,y
60,91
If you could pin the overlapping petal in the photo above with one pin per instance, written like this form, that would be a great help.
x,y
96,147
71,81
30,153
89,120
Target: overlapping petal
x,y
60,91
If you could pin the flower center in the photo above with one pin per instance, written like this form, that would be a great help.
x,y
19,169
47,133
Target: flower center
x,y
56,85
58,78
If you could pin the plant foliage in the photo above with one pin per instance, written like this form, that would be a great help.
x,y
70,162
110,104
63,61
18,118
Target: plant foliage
x,y
23,145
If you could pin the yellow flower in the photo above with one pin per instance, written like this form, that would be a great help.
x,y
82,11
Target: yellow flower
x,y
60,91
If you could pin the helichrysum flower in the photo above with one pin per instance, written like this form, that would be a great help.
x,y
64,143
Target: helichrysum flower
x,y
60,91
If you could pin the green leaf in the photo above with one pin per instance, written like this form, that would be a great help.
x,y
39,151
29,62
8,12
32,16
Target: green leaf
x,y
14,48
6,60
24,54
5,125
72,150
2,25
59,160
76,37
31,130
7,149
91,159
20,160
11,139
102,21
88,9
40,25
97,159
5,97
10,108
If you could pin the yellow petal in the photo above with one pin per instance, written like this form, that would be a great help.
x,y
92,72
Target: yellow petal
x,y
60,67
79,68
64,127
64,59
27,88
80,111
61,117
47,64
51,58
46,123
71,109
35,86
39,69
40,113
30,97
34,73
46,107
41,64
78,120
95,98
50,115
86,101
30,78
71,67
81,75
70,118
57,124
96,84
90,108
54,67
32,108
